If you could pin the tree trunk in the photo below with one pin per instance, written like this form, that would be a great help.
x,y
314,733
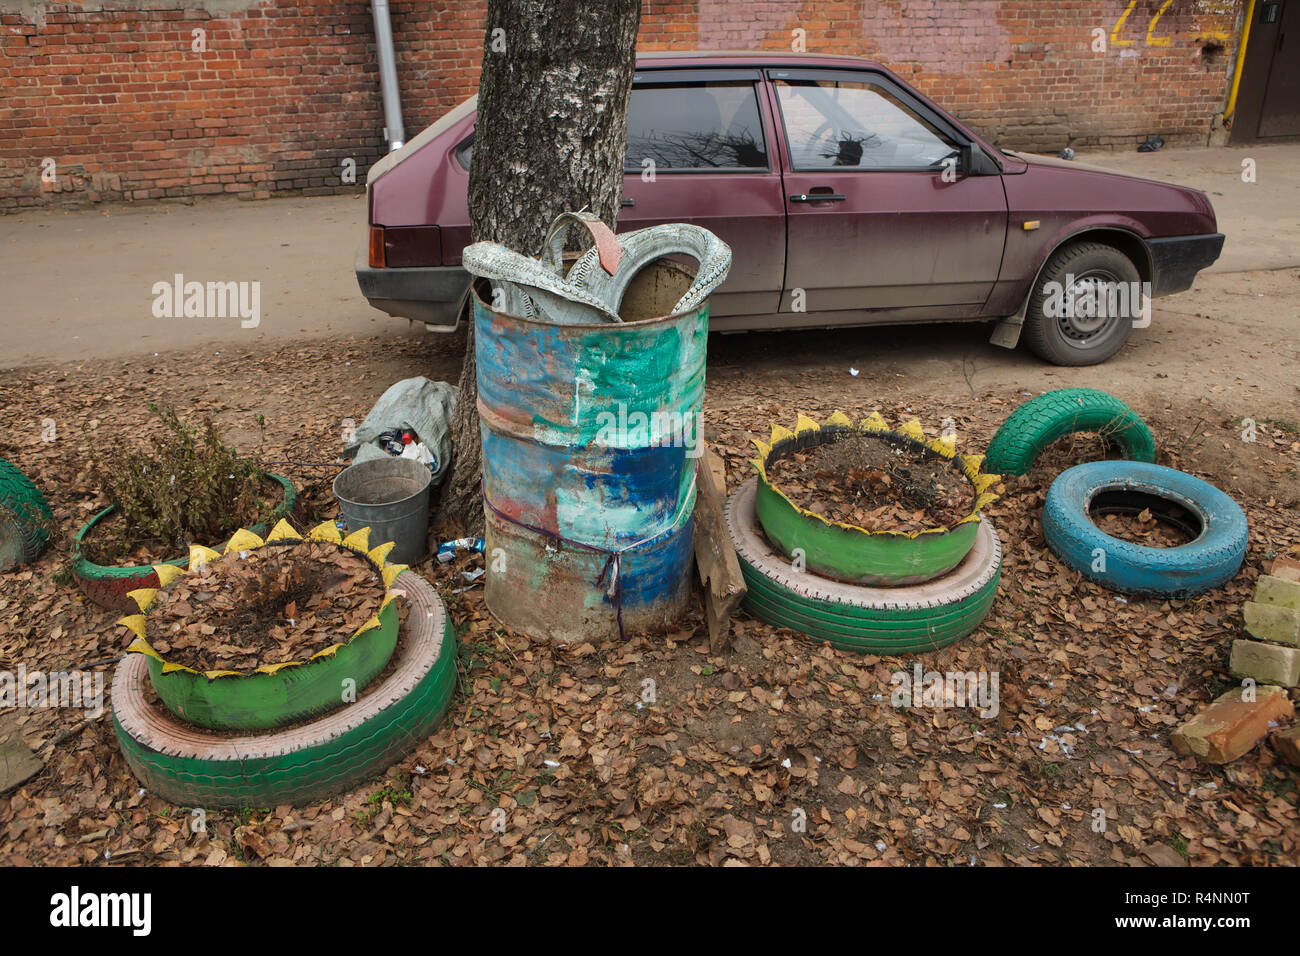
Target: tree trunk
x,y
551,136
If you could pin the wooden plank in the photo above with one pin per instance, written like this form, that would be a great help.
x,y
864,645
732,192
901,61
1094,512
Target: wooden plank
x,y
715,555
17,762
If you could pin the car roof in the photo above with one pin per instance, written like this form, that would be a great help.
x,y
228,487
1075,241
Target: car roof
x,y
678,58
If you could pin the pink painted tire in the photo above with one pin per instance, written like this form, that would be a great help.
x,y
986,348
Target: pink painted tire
x,y
191,767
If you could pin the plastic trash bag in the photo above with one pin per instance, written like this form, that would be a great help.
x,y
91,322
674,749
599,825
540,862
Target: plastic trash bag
x,y
419,405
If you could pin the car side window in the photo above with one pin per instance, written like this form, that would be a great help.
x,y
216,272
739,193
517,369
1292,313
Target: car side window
x,y
832,124
695,125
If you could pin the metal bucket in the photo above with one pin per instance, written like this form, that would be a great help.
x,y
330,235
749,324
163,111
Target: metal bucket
x,y
590,434
390,496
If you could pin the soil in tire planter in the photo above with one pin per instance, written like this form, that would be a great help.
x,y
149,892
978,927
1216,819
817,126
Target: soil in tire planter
x,y
275,604
875,483
403,613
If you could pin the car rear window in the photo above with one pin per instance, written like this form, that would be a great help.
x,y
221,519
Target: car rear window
x,y
698,125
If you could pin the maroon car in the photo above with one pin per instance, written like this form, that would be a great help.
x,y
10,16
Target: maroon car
x,y
847,197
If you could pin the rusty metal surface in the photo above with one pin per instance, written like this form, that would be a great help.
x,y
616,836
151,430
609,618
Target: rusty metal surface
x,y
589,438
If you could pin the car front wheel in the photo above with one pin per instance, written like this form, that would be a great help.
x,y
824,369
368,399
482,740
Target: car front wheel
x,y
1083,307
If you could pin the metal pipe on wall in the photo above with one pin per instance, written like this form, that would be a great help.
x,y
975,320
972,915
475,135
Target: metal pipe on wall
x,y
393,129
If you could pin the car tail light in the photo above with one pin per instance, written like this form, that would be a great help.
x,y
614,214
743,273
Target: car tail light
x,y
402,247
377,247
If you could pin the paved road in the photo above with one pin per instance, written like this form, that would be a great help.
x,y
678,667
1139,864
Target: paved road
x,y
79,285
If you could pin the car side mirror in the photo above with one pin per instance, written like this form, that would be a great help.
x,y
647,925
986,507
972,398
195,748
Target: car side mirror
x,y
973,161
965,158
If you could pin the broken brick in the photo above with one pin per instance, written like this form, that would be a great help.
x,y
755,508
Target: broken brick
x,y
1287,743
1231,726
1288,569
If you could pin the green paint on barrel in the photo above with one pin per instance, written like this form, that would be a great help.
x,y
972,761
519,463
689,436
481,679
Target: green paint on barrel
x,y
590,434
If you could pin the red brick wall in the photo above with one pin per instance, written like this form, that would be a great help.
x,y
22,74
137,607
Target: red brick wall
x,y
113,92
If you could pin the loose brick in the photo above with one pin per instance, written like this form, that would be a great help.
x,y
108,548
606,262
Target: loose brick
x,y
1230,726
1266,663
1277,591
1269,622
1287,743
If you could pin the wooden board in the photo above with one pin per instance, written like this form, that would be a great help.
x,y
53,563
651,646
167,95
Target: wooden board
x,y
715,555
17,762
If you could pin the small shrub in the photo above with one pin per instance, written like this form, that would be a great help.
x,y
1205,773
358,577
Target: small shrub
x,y
187,486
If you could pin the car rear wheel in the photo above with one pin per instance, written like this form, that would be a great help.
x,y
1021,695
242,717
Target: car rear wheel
x,y
1080,273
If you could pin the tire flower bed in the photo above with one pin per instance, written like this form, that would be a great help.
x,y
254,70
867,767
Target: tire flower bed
x,y
843,551
311,760
208,631
108,585
869,620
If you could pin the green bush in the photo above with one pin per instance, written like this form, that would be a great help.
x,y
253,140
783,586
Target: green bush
x,y
187,486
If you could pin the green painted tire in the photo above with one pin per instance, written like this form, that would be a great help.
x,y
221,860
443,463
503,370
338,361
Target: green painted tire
x,y
25,518
108,586
851,554
263,701
877,620
855,557
195,768
1045,418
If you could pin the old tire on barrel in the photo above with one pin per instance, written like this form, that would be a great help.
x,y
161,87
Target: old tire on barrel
x,y
877,620
195,768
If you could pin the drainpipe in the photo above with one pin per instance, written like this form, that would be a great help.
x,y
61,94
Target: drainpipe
x,y
1240,64
393,131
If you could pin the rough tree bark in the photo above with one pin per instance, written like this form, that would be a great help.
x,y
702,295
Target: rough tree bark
x,y
551,136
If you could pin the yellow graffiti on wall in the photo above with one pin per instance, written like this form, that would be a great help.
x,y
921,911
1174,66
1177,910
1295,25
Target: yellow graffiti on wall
x,y
1151,38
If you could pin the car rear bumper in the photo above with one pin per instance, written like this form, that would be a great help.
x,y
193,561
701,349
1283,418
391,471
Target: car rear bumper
x,y
428,294
1176,260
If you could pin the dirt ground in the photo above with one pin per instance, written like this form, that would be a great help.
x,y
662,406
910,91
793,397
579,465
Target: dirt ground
x,y
783,751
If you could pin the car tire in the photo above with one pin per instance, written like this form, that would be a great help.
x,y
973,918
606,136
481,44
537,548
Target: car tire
x,y
1078,341
1064,411
869,620
1127,487
193,767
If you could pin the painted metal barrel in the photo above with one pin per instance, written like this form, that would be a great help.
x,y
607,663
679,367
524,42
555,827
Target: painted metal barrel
x,y
590,434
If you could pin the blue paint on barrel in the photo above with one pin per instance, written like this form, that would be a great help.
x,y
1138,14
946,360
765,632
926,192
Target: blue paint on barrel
x,y
590,434
608,494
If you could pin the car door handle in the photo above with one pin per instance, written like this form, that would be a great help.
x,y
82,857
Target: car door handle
x,y
628,202
818,197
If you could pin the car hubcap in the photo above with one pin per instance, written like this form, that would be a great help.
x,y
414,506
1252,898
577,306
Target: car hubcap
x,y
1089,320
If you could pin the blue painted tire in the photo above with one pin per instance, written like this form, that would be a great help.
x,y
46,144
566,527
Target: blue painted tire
x,y
1211,559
